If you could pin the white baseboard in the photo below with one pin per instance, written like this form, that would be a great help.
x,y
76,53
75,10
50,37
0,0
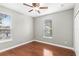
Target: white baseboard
x,y
55,44
37,41
77,52
15,46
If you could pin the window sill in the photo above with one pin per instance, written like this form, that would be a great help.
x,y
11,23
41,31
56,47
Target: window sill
x,y
6,40
47,37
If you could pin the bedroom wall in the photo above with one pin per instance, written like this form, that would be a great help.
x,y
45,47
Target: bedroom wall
x,y
62,25
76,28
22,28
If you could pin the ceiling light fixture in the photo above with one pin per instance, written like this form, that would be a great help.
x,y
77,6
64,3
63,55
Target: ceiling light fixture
x,y
35,7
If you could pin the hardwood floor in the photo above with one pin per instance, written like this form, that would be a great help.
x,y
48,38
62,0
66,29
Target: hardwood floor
x,y
38,49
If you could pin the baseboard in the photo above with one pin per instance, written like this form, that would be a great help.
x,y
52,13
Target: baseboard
x,y
15,46
77,52
37,41
55,44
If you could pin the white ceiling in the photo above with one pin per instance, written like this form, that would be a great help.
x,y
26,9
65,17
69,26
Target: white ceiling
x,y
52,8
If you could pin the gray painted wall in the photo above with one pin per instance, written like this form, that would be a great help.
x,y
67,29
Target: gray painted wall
x,y
22,28
62,28
76,29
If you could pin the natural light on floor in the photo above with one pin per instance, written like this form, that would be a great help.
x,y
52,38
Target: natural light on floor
x,y
47,52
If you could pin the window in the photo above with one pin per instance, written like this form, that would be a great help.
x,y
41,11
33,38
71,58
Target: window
x,y
5,27
47,29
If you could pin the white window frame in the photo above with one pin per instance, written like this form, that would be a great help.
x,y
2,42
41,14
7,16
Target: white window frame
x,y
7,40
50,37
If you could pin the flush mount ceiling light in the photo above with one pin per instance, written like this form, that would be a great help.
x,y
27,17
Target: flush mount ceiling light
x,y
35,7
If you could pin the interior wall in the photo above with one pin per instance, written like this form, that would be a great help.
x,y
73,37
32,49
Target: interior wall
x,y
76,29
62,26
22,28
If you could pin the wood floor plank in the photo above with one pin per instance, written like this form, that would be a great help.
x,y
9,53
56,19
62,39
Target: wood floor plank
x,y
38,49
